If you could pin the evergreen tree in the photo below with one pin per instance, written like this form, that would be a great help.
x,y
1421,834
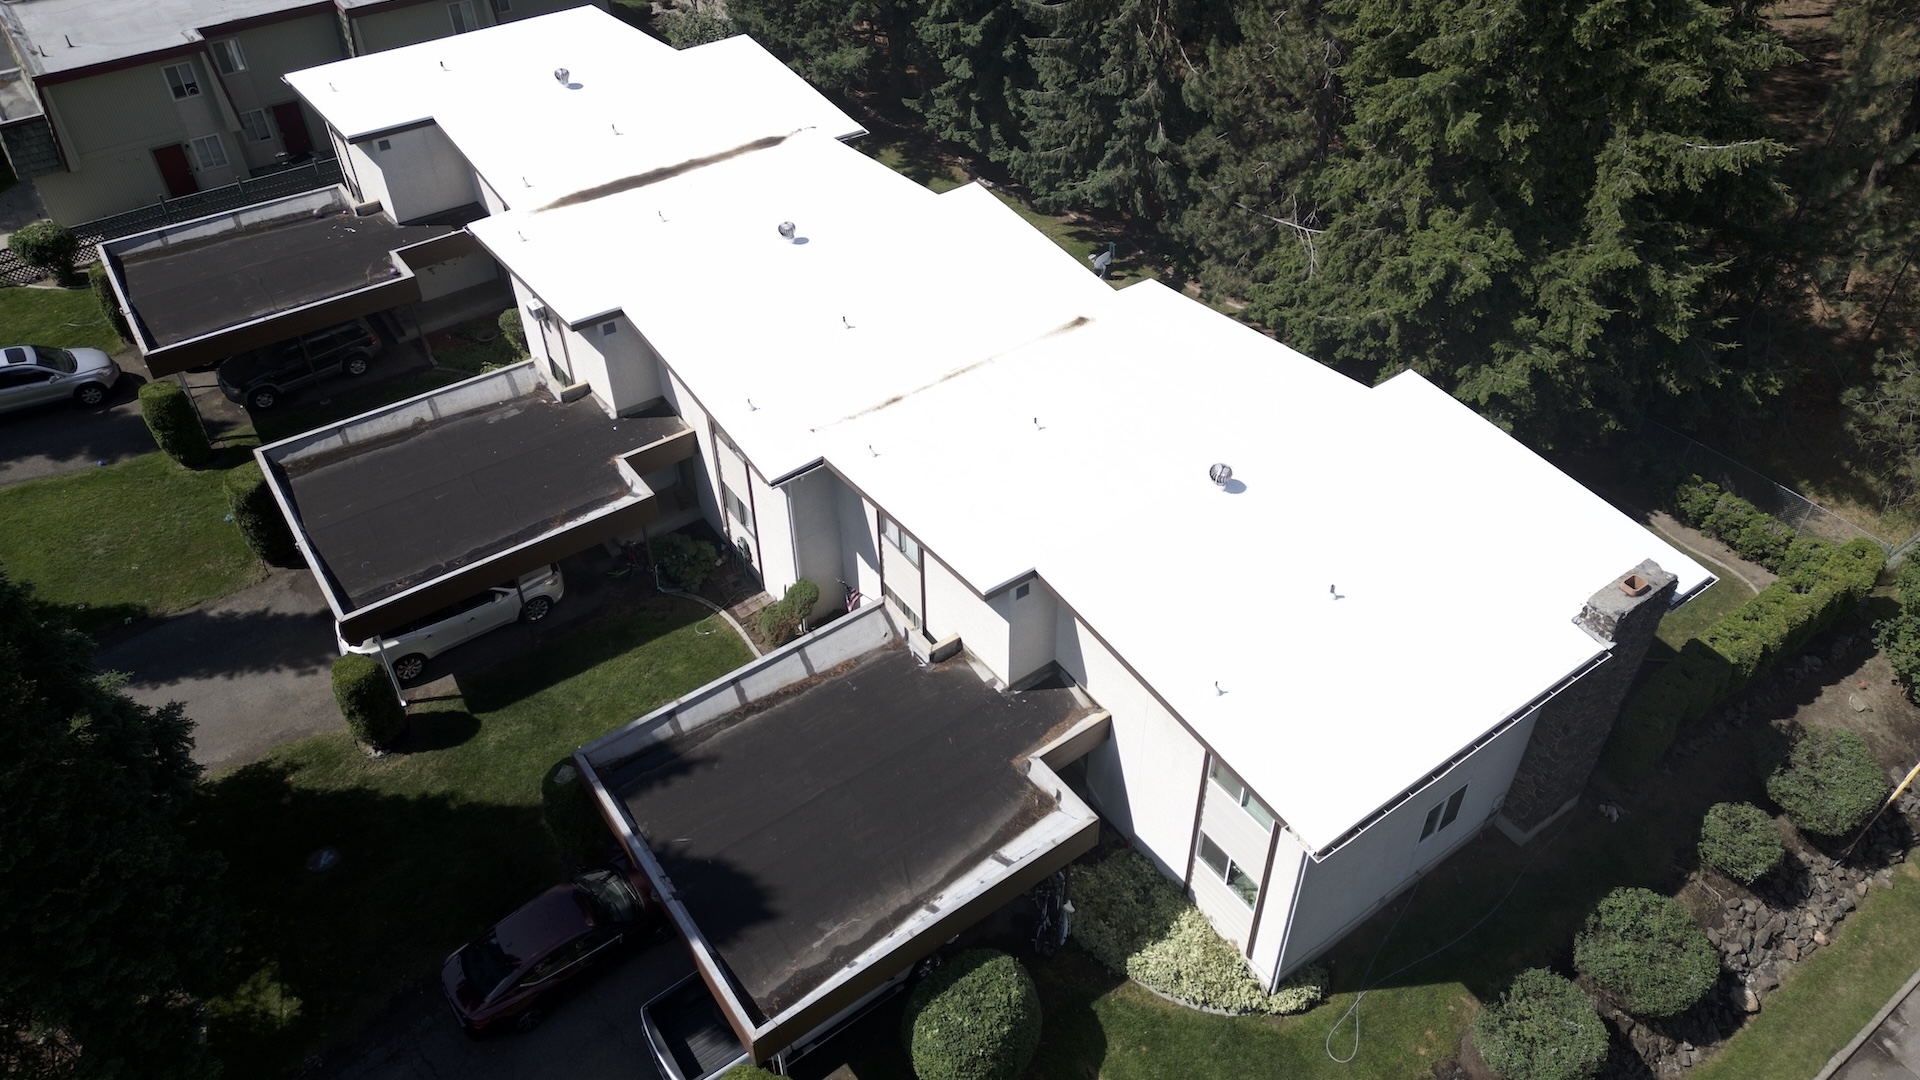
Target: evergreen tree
x,y
973,53
831,44
106,912
1530,206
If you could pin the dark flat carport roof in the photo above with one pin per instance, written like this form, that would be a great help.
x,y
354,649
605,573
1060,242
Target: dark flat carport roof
x,y
186,290
799,834
441,495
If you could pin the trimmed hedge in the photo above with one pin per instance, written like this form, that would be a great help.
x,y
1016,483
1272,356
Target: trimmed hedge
x,y
48,245
367,699
1754,535
1542,1028
977,1017
1135,922
683,561
1646,951
780,621
566,807
1829,785
258,516
109,306
175,426
1899,636
1818,584
1741,841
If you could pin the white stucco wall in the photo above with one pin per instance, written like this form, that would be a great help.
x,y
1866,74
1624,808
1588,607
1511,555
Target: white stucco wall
x,y
952,608
774,533
691,414
417,173
814,501
460,272
860,558
1032,622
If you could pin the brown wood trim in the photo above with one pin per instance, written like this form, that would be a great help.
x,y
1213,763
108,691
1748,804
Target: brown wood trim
x,y
1199,804
106,67
1253,932
753,511
219,344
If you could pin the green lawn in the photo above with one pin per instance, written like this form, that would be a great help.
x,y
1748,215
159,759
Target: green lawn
x,y
67,318
436,841
1681,625
1821,1005
143,537
474,346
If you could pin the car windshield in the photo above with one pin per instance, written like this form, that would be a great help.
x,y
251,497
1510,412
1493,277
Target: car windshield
x,y
58,359
609,900
485,964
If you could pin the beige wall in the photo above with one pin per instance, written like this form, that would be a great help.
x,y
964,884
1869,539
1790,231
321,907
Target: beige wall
x,y
391,28
271,51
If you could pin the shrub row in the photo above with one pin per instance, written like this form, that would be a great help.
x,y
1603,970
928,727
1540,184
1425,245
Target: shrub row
x,y
1754,535
976,1017
175,426
780,621
1819,583
258,516
1899,636
368,700
1135,922
109,306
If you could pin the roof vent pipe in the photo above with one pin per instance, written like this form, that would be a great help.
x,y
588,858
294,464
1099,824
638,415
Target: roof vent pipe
x,y
1220,473
787,230
562,76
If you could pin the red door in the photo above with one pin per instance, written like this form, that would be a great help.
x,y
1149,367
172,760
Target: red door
x,y
175,170
293,130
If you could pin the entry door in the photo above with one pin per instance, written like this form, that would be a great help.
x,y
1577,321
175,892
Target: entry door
x,y
293,129
175,170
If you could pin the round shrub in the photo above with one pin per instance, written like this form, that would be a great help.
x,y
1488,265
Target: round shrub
x,y
1543,1028
977,1017
1645,950
566,805
109,304
684,562
1741,841
368,701
1829,784
46,244
258,516
175,426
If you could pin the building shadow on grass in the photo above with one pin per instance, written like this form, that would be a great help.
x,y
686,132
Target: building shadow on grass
x,y
625,625
436,729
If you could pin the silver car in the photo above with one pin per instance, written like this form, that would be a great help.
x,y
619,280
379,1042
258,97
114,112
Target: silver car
x,y
36,374
411,646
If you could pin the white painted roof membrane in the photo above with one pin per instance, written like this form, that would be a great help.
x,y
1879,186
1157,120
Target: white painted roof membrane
x,y
1390,578
103,31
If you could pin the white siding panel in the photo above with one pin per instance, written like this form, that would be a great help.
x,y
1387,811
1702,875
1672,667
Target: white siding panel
x,y
421,173
814,499
1277,894
1221,905
1230,826
860,566
952,608
1032,622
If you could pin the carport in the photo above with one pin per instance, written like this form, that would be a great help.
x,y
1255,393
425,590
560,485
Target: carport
x,y
827,815
413,506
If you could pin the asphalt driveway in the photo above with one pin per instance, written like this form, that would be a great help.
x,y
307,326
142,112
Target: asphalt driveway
x,y
49,440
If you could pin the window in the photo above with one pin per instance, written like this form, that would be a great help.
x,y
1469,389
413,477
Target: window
x,y
461,15
735,507
255,125
913,617
383,144
227,57
181,80
210,151
502,5
1442,815
1229,871
1021,592
607,328
1235,788
896,536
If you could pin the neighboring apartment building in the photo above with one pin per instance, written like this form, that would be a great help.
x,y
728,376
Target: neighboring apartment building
x,y
1327,666
114,104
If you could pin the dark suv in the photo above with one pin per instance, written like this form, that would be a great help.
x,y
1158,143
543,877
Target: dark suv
x,y
259,378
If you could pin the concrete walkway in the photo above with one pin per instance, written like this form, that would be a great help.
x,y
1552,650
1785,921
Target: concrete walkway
x,y
254,669
1888,1048
60,437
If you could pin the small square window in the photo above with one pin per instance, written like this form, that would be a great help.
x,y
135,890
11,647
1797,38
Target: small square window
x,y
256,125
502,5
607,329
210,152
182,81
227,57
1021,592
383,144
1443,814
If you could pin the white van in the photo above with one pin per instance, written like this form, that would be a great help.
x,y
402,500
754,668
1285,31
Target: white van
x,y
411,646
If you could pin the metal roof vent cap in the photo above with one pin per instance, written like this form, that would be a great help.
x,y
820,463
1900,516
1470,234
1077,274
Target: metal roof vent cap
x,y
1220,473
787,230
562,76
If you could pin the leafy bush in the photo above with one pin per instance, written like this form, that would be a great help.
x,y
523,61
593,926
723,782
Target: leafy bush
x,y
1644,949
1755,535
748,1072
1741,841
48,245
175,426
566,806
1899,636
1819,583
1136,923
780,621
1829,784
683,561
109,305
1543,1028
514,333
258,516
697,25
977,1017
368,701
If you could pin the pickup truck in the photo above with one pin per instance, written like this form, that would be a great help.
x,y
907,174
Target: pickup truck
x,y
690,1038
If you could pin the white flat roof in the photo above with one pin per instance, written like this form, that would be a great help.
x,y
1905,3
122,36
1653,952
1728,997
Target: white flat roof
x,y
102,31
1391,579
631,104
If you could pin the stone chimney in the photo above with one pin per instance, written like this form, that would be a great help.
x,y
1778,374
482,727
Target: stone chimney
x,y
1573,726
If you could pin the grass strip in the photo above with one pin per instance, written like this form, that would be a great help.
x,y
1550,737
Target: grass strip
x,y
67,318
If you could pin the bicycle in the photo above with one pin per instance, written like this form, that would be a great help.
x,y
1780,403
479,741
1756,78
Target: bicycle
x,y
1053,909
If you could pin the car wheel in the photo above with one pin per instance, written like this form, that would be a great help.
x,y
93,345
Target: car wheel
x,y
409,667
536,609
529,1019
263,398
90,395
355,364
